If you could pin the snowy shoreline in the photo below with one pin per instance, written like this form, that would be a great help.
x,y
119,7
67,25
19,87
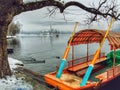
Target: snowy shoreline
x,y
13,83
14,63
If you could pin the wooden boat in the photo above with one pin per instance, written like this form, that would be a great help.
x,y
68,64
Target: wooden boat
x,y
105,69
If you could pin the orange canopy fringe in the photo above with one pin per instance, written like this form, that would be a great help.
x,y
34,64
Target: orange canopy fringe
x,y
93,35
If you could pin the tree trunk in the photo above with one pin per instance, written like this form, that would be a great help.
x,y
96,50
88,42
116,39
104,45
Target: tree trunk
x,y
4,65
7,11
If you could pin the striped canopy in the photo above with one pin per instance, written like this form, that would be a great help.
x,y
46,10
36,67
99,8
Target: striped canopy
x,y
93,35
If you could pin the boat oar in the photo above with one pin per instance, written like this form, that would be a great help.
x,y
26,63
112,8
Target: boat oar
x,y
91,66
63,61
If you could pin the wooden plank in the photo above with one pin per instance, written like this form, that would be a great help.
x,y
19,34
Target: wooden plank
x,y
97,67
84,65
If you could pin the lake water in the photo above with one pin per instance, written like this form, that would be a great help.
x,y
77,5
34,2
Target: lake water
x,y
48,48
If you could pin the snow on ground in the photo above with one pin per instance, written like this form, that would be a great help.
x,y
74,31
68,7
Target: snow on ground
x,y
14,63
13,83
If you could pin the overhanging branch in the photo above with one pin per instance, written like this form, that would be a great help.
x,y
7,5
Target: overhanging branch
x,y
62,7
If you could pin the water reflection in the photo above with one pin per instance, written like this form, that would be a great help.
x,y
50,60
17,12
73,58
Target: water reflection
x,y
48,48
13,42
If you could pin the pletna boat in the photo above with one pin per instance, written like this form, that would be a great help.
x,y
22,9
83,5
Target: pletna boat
x,y
106,67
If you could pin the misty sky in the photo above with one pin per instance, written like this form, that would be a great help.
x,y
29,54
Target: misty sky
x,y
39,19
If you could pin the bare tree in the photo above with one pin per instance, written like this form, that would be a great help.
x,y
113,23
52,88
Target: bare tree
x,y
10,8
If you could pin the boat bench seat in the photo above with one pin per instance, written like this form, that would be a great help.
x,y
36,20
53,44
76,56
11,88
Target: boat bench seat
x,y
78,67
97,67
83,65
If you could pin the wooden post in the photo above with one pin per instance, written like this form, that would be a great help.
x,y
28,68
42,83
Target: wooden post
x,y
72,55
114,58
87,52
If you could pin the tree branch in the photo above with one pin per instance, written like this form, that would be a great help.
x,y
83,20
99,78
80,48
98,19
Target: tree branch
x,y
100,5
62,7
41,4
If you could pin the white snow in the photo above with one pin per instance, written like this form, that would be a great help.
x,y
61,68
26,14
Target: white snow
x,y
14,63
13,83
9,37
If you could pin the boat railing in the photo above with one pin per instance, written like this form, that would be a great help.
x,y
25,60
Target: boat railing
x,y
115,71
81,60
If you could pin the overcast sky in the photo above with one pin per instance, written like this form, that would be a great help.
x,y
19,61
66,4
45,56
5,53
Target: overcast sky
x,y
39,19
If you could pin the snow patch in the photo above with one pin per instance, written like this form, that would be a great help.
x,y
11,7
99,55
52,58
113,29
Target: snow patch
x,y
13,83
14,63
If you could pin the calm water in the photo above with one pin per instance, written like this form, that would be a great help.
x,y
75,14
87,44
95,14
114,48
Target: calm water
x,y
41,48
48,48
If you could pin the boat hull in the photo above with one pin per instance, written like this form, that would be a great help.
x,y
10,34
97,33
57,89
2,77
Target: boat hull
x,y
55,82
61,85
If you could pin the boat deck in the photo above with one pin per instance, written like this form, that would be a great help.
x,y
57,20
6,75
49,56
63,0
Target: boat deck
x,y
67,81
84,65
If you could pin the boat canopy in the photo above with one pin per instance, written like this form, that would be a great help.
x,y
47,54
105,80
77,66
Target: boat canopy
x,y
92,35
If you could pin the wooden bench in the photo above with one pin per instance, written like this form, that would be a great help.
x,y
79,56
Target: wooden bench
x,y
84,65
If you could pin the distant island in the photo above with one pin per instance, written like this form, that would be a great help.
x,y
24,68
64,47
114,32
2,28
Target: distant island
x,y
16,29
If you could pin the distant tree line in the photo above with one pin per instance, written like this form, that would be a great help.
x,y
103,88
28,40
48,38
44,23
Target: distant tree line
x,y
14,28
45,32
